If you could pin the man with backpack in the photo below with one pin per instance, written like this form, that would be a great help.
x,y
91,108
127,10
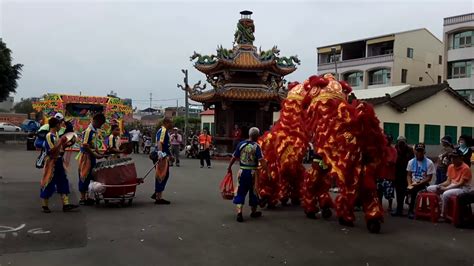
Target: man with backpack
x,y
249,154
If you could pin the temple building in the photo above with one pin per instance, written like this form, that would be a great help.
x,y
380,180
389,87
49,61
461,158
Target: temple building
x,y
247,84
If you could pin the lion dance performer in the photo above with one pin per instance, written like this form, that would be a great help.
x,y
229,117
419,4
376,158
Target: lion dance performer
x,y
350,146
284,148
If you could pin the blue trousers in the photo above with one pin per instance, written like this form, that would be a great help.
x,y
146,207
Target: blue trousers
x,y
246,180
160,186
59,183
84,186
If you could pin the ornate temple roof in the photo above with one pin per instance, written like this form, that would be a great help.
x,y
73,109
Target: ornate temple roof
x,y
246,60
246,57
239,92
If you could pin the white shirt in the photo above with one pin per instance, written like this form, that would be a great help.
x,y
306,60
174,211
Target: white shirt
x,y
431,169
135,135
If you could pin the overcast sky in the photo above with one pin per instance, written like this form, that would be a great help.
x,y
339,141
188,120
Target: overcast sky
x,y
135,48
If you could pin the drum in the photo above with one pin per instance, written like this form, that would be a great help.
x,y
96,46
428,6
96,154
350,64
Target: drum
x,y
119,171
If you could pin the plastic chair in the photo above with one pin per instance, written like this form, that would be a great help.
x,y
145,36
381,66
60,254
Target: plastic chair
x,y
427,206
455,212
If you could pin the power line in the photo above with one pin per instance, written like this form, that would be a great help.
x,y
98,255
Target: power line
x,y
158,100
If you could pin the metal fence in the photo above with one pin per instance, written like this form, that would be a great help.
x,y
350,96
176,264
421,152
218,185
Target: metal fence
x,y
13,137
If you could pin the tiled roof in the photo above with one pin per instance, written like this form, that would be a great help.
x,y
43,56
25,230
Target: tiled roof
x,y
245,59
417,94
237,94
208,112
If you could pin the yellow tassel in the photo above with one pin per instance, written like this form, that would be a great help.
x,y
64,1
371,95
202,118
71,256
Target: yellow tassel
x,y
239,208
65,199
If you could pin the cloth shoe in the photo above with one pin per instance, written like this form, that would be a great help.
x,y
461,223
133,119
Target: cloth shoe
x,y
69,207
89,202
240,218
162,202
256,214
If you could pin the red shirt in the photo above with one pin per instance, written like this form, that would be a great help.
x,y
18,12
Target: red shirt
x,y
205,141
237,135
388,171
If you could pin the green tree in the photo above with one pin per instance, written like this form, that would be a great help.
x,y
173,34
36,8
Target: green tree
x,y
24,107
8,73
178,122
193,123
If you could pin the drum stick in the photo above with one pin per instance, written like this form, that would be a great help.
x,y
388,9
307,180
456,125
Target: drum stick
x,y
149,171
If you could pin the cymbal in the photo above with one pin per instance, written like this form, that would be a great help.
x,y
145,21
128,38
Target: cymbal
x,y
70,136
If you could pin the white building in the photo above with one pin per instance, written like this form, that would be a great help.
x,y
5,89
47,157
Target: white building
x,y
412,57
7,105
459,53
207,121
421,114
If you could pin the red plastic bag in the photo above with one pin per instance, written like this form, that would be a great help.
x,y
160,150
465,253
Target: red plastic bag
x,y
227,187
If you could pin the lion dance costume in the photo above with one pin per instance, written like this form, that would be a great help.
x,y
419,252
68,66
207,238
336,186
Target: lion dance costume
x,y
349,148
284,148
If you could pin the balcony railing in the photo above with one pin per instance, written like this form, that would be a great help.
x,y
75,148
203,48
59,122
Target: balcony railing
x,y
459,19
357,62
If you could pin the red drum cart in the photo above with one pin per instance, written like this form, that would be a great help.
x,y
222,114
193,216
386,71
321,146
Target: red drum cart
x,y
119,178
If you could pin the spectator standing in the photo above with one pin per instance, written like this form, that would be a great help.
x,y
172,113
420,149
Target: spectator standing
x,y
236,136
135,136
204,148
420,172
458,180
176,142
465,143
147,142
385,186
443,159
404,155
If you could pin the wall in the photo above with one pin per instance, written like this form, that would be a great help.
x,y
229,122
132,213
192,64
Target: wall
x,y
364,68
15,119
276,116
462,83
458,54
427,49
207,119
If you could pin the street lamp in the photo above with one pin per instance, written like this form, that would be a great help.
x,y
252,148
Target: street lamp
x,y
426,72
333,51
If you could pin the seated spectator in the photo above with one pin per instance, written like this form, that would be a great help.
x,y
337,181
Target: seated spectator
x,y
443,159
420,170
458,182
465,143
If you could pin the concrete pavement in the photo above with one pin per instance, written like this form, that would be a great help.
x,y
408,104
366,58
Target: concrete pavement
x,y
199,228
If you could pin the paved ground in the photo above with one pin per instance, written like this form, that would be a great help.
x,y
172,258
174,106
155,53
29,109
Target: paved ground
x,y
198,228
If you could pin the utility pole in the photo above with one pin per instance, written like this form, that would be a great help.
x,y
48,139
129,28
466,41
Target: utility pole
x,y
187,89
334,50
151,98
186,104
